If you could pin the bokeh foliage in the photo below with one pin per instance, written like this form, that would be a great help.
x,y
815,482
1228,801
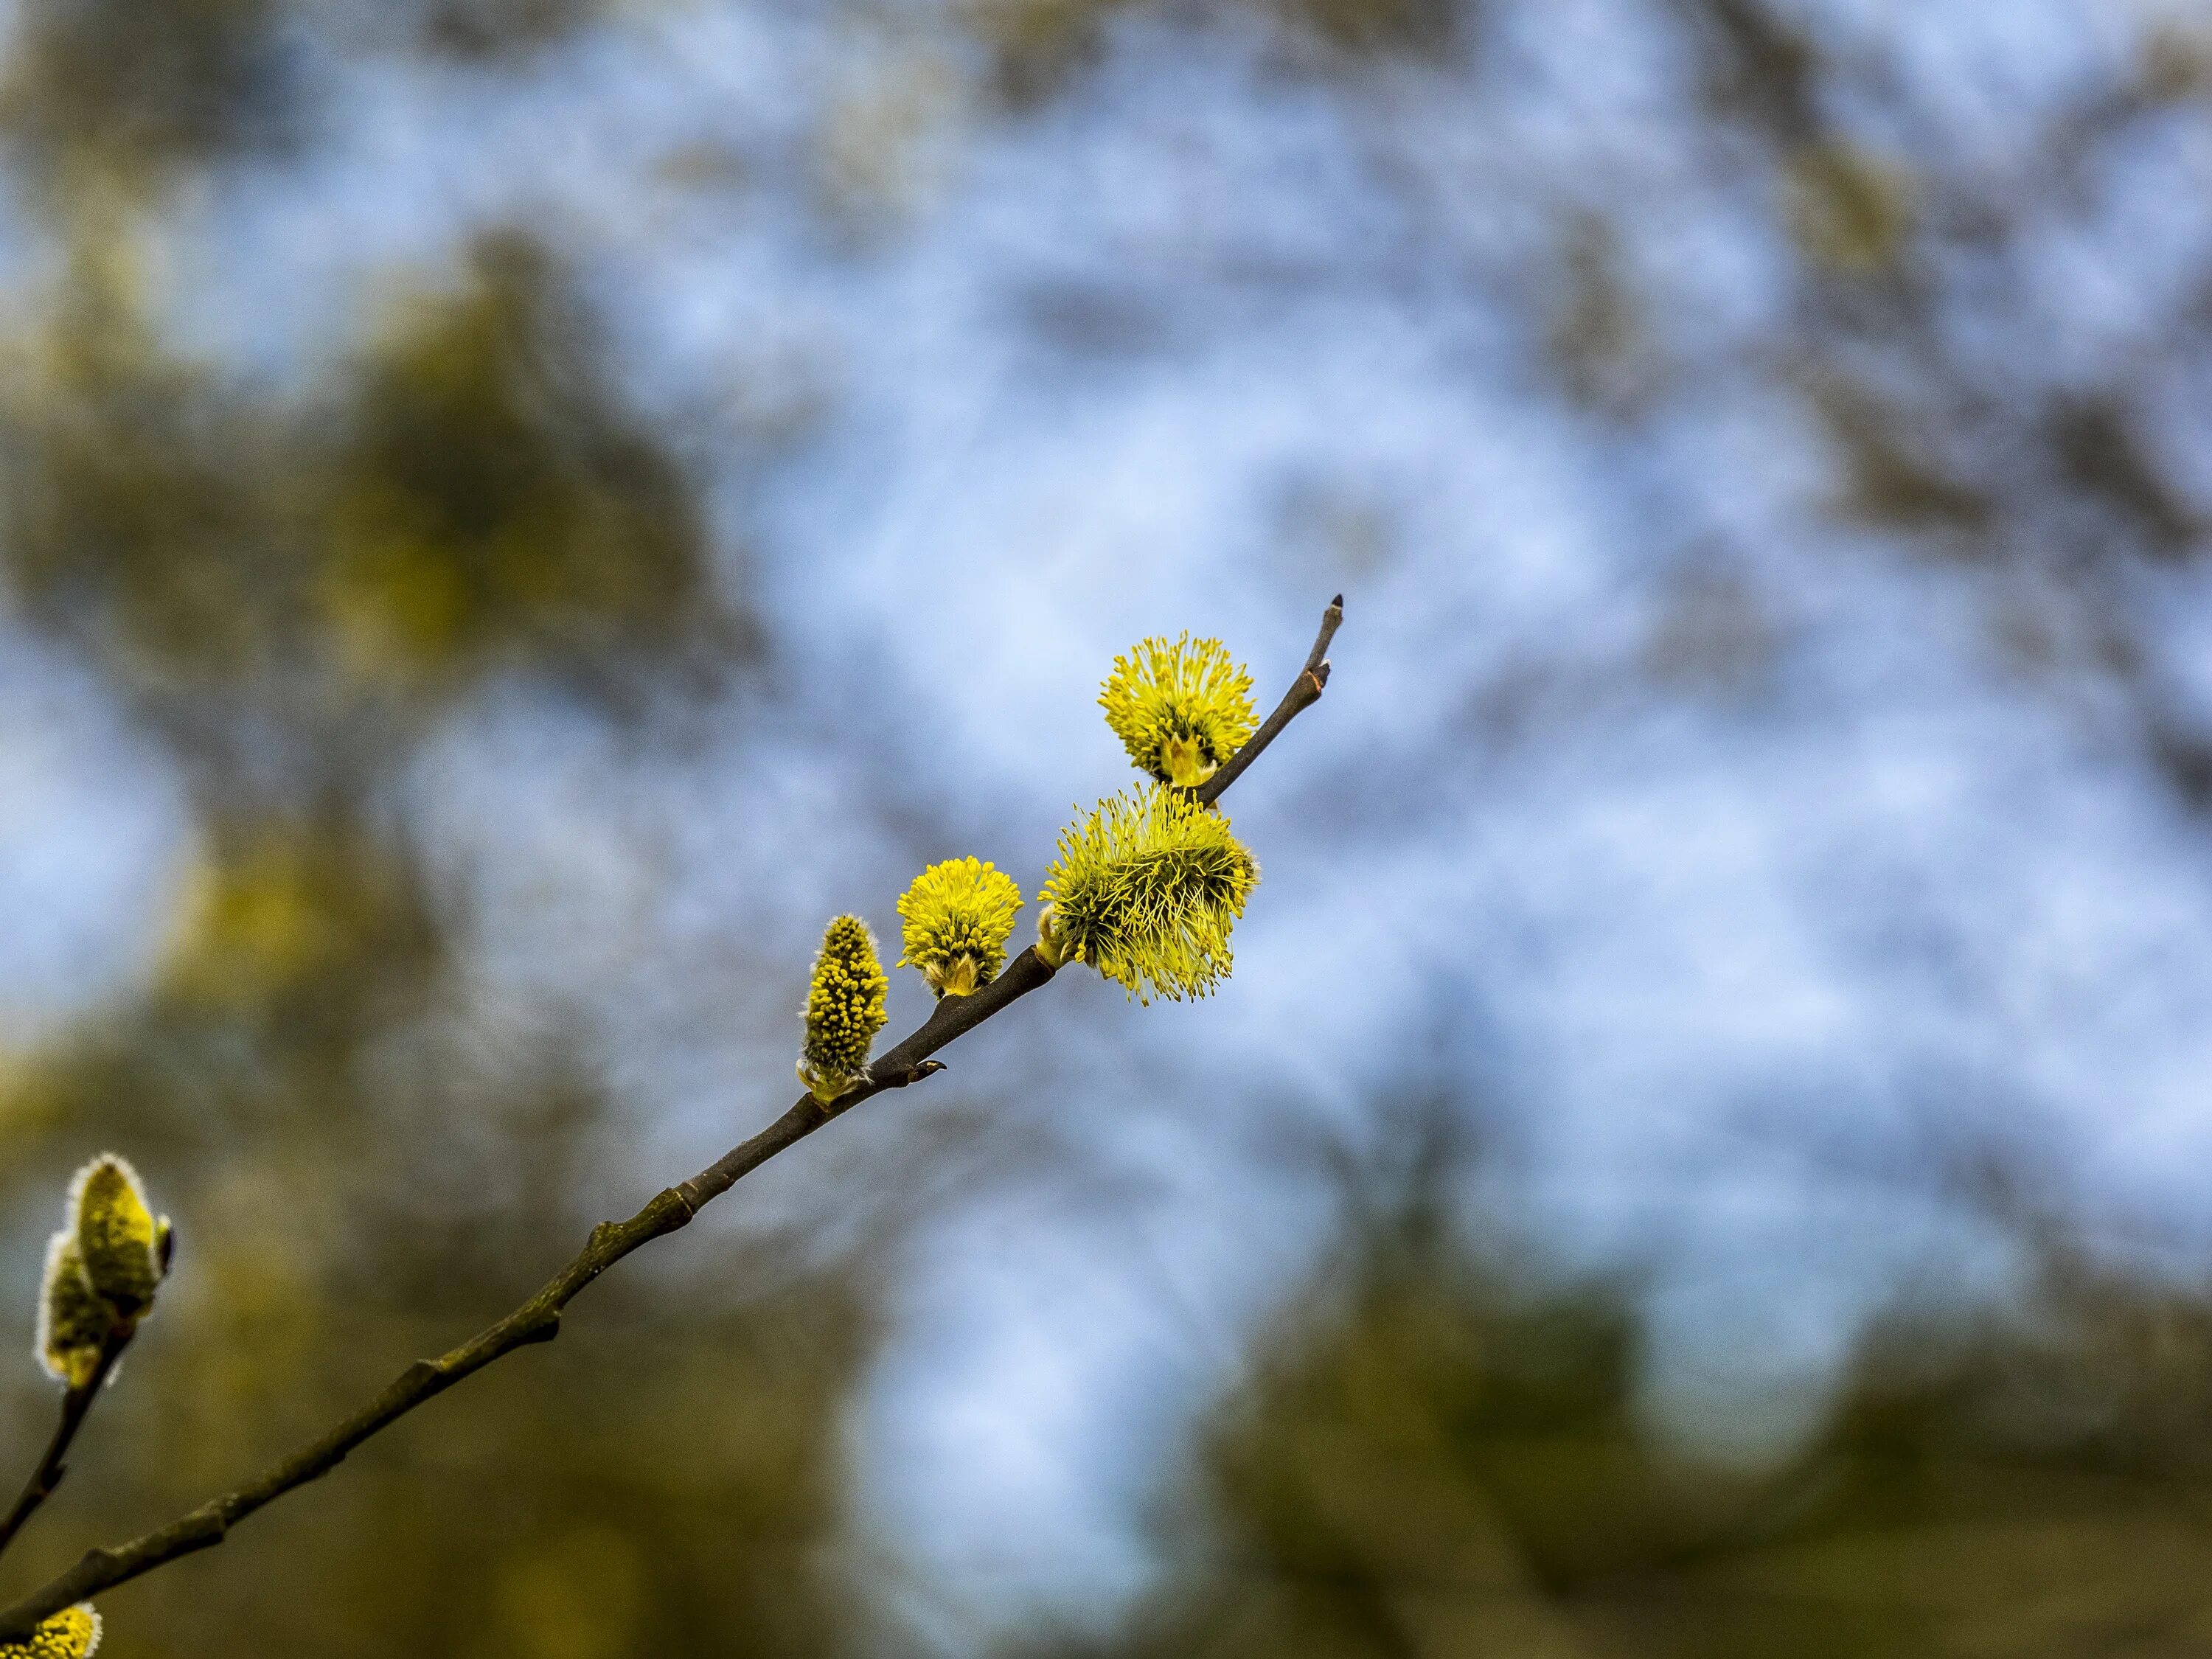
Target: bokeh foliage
x,y
124,89
291,588
369,1165
471,494
1037,47
1442,1452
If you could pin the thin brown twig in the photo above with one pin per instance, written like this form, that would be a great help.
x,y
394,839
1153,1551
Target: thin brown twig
x,y
1305,691
539,1319
77,1406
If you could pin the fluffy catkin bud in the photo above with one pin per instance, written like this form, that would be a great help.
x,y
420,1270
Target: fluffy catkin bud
x,y
844,1008
1146,889
119,1240
74,1319
72,1633
957,915
1180,707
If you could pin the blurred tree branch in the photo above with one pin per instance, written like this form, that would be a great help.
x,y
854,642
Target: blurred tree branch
x,y
539,1319
77,1406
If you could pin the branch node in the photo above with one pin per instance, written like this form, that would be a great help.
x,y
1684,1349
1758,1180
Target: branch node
x,y
673,1199
542,1329
899,1077
422,1374
204,1528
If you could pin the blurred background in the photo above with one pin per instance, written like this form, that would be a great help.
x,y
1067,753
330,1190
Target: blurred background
x,y
511,512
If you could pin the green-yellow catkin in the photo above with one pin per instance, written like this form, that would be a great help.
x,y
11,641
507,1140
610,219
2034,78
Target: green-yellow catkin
x,y
1181,706
117,1234
72,1633
1146,889
844,1008
957,915
74,1319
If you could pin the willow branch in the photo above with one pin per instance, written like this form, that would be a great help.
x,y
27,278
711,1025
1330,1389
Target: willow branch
x,y
1305,691
76,1405
539,1319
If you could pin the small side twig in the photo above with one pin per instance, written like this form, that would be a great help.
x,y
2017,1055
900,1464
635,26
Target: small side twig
x,y
539,1319
77,1406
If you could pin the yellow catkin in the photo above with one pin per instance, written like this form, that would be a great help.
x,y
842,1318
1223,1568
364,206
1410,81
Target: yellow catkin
x,y
1181,706
957,916
116,1233
845,1008
1146,889
72,1633
74,1319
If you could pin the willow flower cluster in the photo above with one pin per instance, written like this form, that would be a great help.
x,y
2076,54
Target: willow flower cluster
x,y
102,1269
72,1633
1181,706
1146,889
957,917
845,1008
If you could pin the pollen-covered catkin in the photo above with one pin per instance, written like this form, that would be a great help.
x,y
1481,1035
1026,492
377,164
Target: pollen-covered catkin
x,y
957,915
74,1319
845,1008
72,1633
1181,706
116,1233
1146,889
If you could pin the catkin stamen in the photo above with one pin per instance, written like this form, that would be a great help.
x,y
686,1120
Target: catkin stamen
x,y
72,1633
845,1008
1181,707
1146,889
957,916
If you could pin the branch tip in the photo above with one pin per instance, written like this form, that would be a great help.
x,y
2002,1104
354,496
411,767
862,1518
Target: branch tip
x,y
1306,690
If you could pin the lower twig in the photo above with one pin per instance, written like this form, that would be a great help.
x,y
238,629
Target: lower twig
x,y
77,1406
539,1319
